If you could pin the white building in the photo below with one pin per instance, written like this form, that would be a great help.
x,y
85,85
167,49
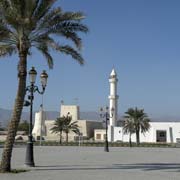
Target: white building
x,y
159,131
86,127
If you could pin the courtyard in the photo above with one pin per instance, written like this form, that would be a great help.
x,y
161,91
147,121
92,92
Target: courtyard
x,y
87,163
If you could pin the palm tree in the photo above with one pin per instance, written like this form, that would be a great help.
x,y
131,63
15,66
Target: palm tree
x,y
140,121
70,126
128,128
58,127
28,24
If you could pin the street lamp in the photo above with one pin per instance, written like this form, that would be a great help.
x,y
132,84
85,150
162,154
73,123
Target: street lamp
x,y
105,114
32,88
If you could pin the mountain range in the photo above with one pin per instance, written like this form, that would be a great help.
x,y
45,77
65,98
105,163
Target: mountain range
x,y
5,116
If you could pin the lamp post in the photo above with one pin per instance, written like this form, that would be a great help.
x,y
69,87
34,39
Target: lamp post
x,y
32,88
105,114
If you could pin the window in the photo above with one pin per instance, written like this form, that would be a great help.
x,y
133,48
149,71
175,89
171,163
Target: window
x,y
98,136
162,134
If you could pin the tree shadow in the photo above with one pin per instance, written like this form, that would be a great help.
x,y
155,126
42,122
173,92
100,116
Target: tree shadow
x,y
136,166
150,166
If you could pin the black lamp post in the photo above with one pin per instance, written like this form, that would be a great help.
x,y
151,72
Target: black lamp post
x,y
32,89
105,114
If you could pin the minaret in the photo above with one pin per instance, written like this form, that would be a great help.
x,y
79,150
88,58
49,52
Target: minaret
x,y
113,98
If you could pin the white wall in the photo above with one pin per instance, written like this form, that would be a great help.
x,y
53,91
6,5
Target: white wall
x,y
39,124
150,136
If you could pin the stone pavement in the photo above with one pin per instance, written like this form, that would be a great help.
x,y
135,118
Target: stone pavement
x,y
92,163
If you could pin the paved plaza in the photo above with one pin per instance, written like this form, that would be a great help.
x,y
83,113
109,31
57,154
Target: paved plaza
x,y
92,163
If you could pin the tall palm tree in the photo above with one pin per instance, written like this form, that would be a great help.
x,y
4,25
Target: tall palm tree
x,y
70,126
140,121
58,127
27,24
128,128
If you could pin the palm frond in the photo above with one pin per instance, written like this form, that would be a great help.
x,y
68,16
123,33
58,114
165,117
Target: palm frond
x,y
68,26
128,126
60,28
72,52
46,21
43,6
74,37
30,7
7,50
68,50
72,16
5,4
45,52
56,16
4,32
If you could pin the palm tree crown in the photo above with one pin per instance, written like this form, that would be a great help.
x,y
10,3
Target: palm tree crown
x,y
70,126
58,127
136,121
128,126
65,124
26,24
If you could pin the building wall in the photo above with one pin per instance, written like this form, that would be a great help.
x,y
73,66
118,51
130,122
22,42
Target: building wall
x,y
39,124
172,130
49,124
73,110
86,130
55,137
91,125
99,135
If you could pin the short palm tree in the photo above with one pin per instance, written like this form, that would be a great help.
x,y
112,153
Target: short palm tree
x,y
28,24
140,121
70,126
58,127
128,128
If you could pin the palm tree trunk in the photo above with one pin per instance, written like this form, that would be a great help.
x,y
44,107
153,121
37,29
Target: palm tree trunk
x,y
137,138
130,142
60,138
16,115
66,137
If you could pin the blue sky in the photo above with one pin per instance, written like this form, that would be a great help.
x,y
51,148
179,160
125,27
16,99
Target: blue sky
x,y
141,39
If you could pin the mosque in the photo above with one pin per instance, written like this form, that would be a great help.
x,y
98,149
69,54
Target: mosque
x,y
94,130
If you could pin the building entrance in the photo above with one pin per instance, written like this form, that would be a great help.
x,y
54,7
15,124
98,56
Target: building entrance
x,y
161,136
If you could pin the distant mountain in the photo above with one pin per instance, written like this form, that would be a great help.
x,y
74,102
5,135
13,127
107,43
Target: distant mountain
x,y
165,119
5,116
51,115
90,115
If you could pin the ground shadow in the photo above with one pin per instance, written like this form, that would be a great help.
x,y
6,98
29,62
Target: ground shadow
x,y
150,166
136,166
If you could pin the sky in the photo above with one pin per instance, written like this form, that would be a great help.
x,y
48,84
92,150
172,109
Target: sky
x,y
140,39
